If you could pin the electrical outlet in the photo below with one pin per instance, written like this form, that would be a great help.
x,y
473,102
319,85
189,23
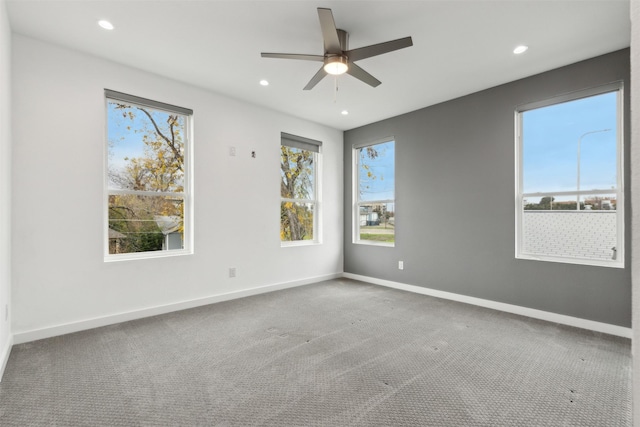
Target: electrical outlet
x,y
232,151
232,272
400,265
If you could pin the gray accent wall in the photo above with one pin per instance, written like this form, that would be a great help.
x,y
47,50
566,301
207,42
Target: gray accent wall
x,y
455,202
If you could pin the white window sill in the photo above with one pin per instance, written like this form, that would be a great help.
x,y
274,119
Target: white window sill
x,y
374,243
146,255
297,243
566,260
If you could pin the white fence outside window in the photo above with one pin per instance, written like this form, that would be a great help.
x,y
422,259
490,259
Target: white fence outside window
x,y
574,234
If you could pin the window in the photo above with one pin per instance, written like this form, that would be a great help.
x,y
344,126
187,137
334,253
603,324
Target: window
x,y
374,193
299,190
570,199
147,178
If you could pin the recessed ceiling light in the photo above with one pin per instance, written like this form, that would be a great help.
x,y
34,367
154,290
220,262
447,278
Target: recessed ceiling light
x,y
344,112
105,24
264,83
520,49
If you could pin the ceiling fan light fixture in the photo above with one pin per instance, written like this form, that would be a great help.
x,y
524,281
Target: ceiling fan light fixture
x,y
336,65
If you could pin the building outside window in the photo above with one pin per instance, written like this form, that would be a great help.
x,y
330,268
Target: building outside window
x,y
147,178
570,198
299,190
374,193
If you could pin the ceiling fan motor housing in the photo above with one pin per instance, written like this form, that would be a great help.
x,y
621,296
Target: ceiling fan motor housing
x,y
336,63
343,36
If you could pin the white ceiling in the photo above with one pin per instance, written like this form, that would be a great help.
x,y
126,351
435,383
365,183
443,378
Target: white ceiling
x,y
460,47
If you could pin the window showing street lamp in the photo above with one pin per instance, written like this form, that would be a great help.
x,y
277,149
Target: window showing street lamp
x,y
569,178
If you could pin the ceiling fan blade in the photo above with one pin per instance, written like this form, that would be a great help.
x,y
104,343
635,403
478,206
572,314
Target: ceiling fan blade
x,y
293,56
361,74
316,79
378,49
329,31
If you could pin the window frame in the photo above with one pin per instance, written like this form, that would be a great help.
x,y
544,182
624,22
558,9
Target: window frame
x,y
356,192
315,147
619,262
186,194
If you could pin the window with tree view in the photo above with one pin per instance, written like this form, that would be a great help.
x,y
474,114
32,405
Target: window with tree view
x,y
299,189
570,205
374,213
147,177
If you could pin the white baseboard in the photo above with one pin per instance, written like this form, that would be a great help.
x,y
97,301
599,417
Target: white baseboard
x,y
509,308
56,330
4,355
67,328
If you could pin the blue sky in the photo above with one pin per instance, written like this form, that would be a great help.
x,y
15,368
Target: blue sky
x,y
550,136
382,185
123,142
550,141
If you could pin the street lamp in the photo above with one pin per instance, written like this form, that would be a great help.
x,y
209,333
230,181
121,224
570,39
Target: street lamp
x,y
578,178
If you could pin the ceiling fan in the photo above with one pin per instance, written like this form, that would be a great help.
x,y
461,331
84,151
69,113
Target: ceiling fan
x,y
337,58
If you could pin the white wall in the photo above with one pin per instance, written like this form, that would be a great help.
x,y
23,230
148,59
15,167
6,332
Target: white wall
x,y
5,186
58,269
635,203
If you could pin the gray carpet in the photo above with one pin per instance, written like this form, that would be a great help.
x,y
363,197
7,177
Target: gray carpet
x,y
336,353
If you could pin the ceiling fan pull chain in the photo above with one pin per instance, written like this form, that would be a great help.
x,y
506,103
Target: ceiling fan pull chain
x,y
335,93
